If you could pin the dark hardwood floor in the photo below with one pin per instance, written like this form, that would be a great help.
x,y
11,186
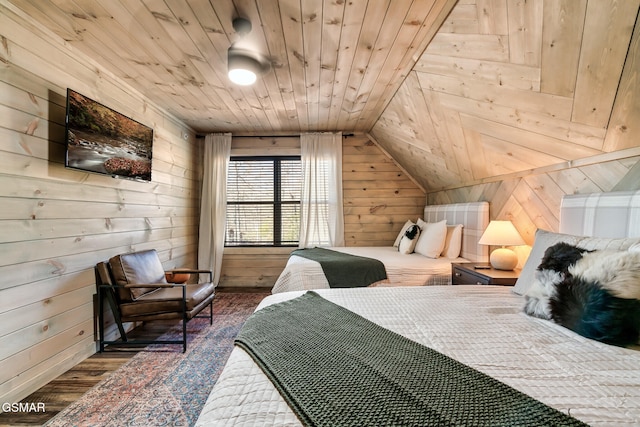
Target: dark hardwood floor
x,y
71,385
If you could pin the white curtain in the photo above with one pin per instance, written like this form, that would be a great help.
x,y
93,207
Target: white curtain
x,y
321,215
213,203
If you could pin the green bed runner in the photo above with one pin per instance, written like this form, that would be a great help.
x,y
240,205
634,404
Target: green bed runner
x,y
335,368
345,270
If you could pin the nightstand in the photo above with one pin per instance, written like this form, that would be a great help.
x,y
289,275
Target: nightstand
x,y
466,274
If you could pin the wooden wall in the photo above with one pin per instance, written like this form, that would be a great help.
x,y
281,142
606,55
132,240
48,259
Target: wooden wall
x,y
532,200
378,195
378,198
57,223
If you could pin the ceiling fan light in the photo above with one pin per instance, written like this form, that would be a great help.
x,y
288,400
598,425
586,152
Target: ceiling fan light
x,y
243,69
242,77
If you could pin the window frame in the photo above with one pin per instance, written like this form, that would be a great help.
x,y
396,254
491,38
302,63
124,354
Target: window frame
x,y
277,201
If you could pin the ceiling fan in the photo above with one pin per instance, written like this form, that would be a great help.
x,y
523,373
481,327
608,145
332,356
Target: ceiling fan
x,y
245,64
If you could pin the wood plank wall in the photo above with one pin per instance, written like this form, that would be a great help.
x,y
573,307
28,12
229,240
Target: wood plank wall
x,y
378,198
378,195
56,223
532,201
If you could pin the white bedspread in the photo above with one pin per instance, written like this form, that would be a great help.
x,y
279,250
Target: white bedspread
x,y
402,270
481,326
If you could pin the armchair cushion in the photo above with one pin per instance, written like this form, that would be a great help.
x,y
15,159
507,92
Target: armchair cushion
x,y
168,301
137,268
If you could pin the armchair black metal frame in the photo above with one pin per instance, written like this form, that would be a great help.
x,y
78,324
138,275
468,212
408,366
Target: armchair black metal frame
x,y
106,288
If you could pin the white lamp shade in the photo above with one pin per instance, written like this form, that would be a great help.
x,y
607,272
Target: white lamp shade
x,y
501,233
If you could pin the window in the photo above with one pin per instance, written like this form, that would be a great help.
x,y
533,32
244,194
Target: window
x,y
263,201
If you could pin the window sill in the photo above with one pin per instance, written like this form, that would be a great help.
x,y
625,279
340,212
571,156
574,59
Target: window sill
x,y
259,250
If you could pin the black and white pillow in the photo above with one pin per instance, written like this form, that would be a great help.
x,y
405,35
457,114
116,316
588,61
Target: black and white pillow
x,y
409,240
594,293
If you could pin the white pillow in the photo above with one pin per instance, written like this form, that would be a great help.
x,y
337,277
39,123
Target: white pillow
x,y
432,236
408,244
406,225
635,247
544,239
453,241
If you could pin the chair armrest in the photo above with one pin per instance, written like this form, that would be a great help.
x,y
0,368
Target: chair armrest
x,y
189,270
155,285
150,285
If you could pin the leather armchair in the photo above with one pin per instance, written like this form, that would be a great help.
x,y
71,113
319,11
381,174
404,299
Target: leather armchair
x,y
136,290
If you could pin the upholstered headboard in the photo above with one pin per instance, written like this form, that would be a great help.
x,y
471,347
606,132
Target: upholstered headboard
x,y
474,218
614,214
590,221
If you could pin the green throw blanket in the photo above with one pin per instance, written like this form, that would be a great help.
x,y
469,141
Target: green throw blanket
x,y
345,270
335,368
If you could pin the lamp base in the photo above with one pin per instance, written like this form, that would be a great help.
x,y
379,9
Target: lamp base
x,y
503,259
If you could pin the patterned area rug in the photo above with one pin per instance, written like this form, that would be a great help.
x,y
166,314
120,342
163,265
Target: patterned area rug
x,y
161,386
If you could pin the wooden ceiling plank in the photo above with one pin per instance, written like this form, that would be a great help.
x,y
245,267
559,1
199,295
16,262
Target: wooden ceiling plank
x,y
333,15
292,22
561,41
489,47
208,14
184,25
266,92
312,37
386,40
437,14
551,105
536,142
624,126
604,48
270,17
169,56
94,38
509,75
103,36
506,157
525,30
492,17
587,139
463,19
369,33
479,168
354,14
173,33
52,17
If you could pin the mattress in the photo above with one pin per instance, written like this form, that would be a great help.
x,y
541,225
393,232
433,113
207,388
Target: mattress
x,y
402,270
482,327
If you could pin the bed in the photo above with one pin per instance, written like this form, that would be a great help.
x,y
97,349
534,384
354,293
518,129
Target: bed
x,y
482,327
412,269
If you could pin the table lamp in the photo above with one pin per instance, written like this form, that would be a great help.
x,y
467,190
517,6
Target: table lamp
x,y
502,233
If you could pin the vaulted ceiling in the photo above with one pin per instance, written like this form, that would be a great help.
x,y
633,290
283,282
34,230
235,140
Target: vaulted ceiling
x,y
507,87
335,64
